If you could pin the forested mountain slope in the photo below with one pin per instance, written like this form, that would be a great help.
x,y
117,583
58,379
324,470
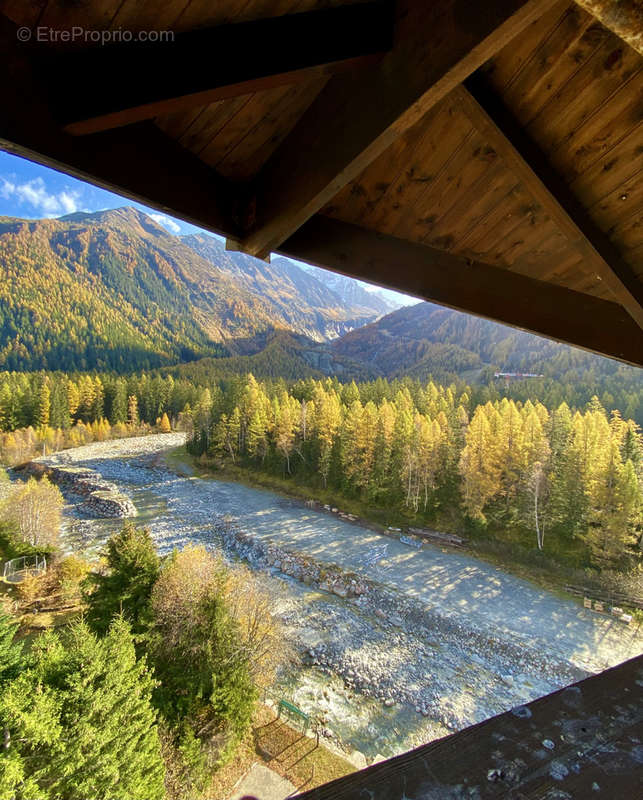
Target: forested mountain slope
x,y
296,298
115,290
276,354
102,290
427,339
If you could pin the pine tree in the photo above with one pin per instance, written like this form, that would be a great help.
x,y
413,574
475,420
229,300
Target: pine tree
x,y
8,415
381,472
164,425
132,568
119,403
350,441
98,401
478,465
11,655
80,723
286,414
73,399
44,405
132,411
327,421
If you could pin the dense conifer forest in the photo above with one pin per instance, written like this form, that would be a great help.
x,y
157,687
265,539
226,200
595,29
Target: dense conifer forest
x,y
563,479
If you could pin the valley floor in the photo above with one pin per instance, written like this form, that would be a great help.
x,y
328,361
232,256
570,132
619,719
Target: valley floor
x,y
457,641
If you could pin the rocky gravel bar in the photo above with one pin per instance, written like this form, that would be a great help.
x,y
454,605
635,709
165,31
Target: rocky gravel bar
x,y
395,645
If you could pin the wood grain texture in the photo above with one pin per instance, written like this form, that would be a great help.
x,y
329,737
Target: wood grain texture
x,y
542,183
355,119
140,162
126,82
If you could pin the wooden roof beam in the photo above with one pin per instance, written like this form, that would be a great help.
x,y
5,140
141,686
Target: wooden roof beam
x,y
120,84
622,17
358,115
600,257
497,294
139,162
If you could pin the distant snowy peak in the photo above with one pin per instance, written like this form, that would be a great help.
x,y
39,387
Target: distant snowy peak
x,y
353,294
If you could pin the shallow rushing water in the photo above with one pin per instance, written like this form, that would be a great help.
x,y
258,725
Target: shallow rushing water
x,y
463,685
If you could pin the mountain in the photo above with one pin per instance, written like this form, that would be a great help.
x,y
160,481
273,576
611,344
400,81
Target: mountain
x,y
277,354
115,290
297,299
427,339
351,292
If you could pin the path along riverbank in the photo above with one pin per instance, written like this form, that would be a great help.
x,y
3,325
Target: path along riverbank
x,y
432,641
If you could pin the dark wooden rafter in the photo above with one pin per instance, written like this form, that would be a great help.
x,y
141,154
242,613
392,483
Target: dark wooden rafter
x,y
579,742
357,116
491,292
138,162
120,84
600,257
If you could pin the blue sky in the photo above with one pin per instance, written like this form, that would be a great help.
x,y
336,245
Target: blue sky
x,y
31,191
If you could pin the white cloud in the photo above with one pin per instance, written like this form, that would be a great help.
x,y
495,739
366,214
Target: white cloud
x,y
34,193
7,189
166,222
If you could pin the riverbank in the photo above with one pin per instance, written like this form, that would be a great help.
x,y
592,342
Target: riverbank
x,y
538,568
455,638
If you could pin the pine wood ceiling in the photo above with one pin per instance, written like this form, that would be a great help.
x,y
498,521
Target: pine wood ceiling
x,y
445,173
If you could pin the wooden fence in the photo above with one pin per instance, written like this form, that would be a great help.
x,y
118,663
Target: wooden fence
x,y
613,598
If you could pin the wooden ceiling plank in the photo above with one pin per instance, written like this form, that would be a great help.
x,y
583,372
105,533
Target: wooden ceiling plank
x,y
443,134
624,17
175,125
526,246
140,162
558,313
506,67
622,203
120,84
602,132
547,189
212,121
614,167
630,235
559,57
503,217
598,95
250,152
503,224
432,142
434,210
380,177
570,262
217,145
357,117
472,211
414,212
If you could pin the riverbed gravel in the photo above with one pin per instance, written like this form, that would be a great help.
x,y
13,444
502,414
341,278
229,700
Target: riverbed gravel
x,y
432,655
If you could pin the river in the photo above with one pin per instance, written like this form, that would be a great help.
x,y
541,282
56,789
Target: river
x,y
380,685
